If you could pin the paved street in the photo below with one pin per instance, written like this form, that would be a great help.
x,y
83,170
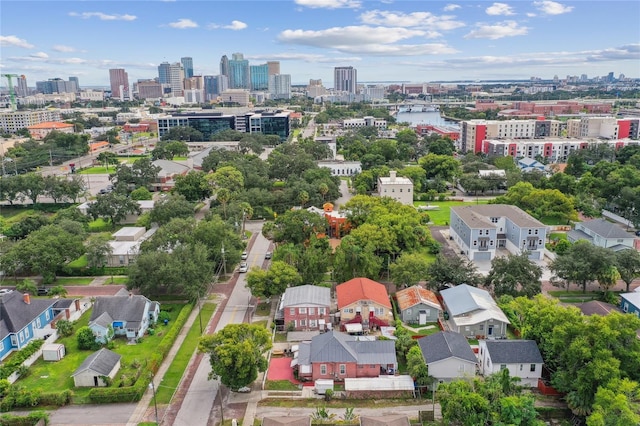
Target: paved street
x,y
87,415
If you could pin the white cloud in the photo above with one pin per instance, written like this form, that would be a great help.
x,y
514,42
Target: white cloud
x,y
63,48
235,25
330,4
414,19
183,23
531,15
499,30
39,55
104,16
451,7
552,8
499,9
306,57
15,42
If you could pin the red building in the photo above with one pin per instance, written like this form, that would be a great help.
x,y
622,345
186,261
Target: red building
x,y
305,307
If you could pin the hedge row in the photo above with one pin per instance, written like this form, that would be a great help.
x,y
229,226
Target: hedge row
x,y
16,360
109,395
69,271
20,397
30,419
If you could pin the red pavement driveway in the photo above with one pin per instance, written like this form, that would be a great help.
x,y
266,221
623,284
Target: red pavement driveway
x,y
280,369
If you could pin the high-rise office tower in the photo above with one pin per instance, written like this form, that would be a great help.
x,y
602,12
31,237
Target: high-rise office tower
x,y
21,86
259,77
195,82
239,74
214,85
345,79
187,64
119,80
274,67
163,73
280,86
76,82
176,78
224,66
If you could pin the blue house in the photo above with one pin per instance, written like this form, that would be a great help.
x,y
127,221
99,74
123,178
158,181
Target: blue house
x,y
630,303
122,315
23,319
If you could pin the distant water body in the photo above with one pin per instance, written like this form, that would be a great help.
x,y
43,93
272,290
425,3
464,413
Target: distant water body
x,y
415,118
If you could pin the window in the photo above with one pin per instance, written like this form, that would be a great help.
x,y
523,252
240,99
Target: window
x,y
532,367
26,333
320,311
292,311
343,369
313,323
481,327
302,310
503,366
1,346
46,315
323,369
520,367
312,311
408,311
303,323
38,322
379,311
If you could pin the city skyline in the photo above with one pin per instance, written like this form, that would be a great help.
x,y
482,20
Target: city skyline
x,y
384,40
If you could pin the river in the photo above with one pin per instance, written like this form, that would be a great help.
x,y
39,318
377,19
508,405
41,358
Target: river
x,y
414,118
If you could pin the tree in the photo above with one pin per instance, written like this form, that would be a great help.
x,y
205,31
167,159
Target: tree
x,y
273,281
460,404
113,206
107,158
86,339
141,173
514,275
442,146
27,286
183,133
32,186
227,177
442,166
417,368
193,186
582,263
98,250
166,150
352,260
26,225
446,271
141,194
616,404
170,207
409,269
237,353
627,263
297,226
64,327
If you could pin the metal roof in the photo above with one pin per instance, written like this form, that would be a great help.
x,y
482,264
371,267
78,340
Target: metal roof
x,y
381,383
470,305
606,229
307,295
334,346
415,295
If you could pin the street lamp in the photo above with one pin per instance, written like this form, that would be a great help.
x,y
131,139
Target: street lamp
x,y
155,403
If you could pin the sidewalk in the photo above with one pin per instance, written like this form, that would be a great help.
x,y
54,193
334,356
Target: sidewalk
x,y
140,412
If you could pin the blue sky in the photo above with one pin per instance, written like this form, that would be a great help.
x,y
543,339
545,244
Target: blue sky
x,y
385,40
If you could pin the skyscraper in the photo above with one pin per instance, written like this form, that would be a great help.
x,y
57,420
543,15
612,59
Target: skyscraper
x,y
280,86
21,86
274,67
176,77
76,82
224,66
163,73
119,80
239,77
259,77
187,64
345,79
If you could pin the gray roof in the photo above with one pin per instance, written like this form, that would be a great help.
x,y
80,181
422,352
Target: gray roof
x,y
388,420
170,168
287,421
63,303
445,344
15,313
104,320
121,308
514,351
334,346
606,229
307,295
464,298
479,215
101,362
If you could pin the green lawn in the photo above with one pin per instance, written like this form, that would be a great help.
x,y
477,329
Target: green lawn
x,y
80,262
281,385
553,221
73,280
280,337
98,170
172,377
558,236
263,310
117,280
47,375
441,216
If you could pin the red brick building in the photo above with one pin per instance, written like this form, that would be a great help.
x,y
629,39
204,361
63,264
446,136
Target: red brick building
x,y
305,307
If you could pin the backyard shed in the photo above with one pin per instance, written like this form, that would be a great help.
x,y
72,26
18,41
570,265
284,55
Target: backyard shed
x,y
53,352
95,367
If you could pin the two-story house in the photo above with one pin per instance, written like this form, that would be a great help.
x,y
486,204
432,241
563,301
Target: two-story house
x,y
473,313
481,229
23,319
364,301
521,357
602,233
397,187
335,355
306,307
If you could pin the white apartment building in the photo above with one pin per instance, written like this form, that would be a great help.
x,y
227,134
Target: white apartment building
x,y
397,187
593,127
342,168
12,121
356,123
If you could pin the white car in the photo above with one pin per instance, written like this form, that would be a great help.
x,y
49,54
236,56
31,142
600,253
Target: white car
x,y
5,291
243,267
244,255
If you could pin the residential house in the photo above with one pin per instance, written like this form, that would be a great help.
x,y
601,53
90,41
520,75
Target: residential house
x,y
602,233
473,313
125,245
128,315
67,309
23,319
169,170
521,357
97,366
364,301
482,229
527,164
335,355
448,356
630,303
418,305
145,206
397,187
305,307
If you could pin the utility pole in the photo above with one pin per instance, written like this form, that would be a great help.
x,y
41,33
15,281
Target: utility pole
x,y
224,261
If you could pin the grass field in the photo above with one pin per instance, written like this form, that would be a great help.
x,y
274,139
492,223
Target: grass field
x,y
441,216
282,385
46,375
98,170
73,281
172,377
117,280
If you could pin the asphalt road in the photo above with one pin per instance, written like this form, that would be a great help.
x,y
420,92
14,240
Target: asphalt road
x,y
87,415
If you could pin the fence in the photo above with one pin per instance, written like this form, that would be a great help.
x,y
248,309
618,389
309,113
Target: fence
x,y
33,358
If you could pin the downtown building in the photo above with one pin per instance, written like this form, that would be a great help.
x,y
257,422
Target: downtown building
x,y
171,76
11,122
280,86
57,85
119,81
214,85
345,79
474,132
238,72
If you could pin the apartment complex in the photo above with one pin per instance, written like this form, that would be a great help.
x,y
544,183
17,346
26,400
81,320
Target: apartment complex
x,y
11,122
553,150
345,79
474,132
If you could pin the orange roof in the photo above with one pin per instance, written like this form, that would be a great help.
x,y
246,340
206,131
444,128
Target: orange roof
x,y
416,295
97,145
50,125
361,289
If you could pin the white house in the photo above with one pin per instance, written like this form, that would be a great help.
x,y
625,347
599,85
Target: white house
x,y
602,233
397,187
521,357
100,364
448,356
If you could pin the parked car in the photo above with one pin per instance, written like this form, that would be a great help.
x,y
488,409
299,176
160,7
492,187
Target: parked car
x,y
5,291
268,255
244,256
42,291
243,267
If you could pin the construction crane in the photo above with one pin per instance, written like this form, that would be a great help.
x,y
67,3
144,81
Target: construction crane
x,y
12,91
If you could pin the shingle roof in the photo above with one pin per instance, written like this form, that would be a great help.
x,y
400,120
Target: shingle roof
x,y
415,295
15,313
481,213
514,351
606,229
287,421
307,295
334,346
361,289
104,320
388,420
121,308
445,344
170,168
102,362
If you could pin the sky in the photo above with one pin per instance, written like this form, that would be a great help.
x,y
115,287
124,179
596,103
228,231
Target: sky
x,y
387,40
